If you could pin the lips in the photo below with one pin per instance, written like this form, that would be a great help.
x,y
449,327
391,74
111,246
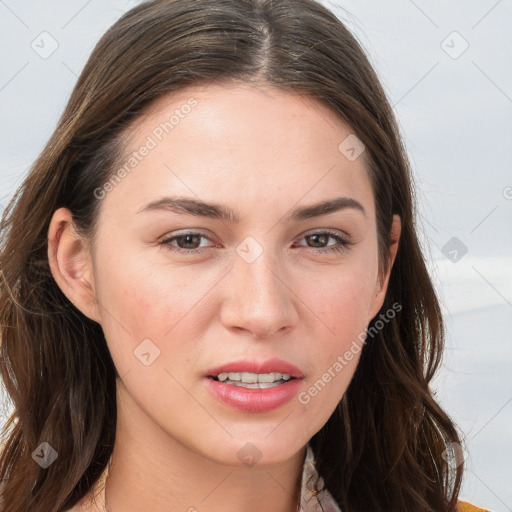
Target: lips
x,y
255,399
252,366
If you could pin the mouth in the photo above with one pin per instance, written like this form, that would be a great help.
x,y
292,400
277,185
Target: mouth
x,y
252,374
255,387
253,380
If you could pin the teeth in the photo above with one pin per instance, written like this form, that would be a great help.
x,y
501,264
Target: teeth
x,y
253,378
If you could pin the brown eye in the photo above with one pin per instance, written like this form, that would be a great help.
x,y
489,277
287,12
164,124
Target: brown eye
x,y
321,238
186,243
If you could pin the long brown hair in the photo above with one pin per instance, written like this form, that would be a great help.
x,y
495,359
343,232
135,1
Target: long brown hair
x,y
385,446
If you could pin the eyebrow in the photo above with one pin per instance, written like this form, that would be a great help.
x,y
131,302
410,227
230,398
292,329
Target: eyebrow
x,y
184,205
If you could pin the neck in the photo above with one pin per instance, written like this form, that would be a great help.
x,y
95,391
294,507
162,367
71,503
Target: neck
x,y
151,469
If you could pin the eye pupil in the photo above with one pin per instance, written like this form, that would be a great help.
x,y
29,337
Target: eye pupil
x,y
318,235
187,240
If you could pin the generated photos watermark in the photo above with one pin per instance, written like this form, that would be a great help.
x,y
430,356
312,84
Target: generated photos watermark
x,y
343,360
151,142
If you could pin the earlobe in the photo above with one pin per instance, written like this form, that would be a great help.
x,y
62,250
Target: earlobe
x,y
70,263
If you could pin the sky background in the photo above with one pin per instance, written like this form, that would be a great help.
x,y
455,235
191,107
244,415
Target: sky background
x,y
446,67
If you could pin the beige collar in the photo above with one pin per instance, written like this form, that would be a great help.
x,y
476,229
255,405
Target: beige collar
x,y
310,500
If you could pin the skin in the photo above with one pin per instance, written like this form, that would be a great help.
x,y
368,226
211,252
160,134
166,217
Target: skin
x,y
261,151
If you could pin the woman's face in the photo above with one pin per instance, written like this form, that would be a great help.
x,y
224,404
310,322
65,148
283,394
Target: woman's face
x,y
184,290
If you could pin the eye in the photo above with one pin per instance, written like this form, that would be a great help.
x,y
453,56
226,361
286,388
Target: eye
x,y
321,237
187,243
186,240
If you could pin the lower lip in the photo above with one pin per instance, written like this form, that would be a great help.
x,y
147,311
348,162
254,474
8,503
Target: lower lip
x,y
254,400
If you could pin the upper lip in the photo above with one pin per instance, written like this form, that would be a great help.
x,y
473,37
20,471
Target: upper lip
x,y
252,366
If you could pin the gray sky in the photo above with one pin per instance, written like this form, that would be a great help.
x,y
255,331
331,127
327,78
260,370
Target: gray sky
x,y
446,69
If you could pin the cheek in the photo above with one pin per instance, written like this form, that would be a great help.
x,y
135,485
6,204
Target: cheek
x,y
347,319
333,372
345,296
342,303
143,302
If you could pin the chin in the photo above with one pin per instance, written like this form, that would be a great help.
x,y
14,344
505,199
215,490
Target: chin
x,y
256,451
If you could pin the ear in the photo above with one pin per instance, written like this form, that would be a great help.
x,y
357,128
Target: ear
x,y
383,278
71,264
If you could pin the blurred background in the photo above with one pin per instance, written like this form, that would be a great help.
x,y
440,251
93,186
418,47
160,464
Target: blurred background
x,y
446,67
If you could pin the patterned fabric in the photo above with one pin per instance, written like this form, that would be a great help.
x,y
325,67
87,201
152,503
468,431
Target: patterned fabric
x,y
310,500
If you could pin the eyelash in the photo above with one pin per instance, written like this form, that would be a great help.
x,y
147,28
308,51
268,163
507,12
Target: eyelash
x,y
343,243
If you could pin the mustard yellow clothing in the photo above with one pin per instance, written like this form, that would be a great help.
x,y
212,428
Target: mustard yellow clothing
x,y
464,506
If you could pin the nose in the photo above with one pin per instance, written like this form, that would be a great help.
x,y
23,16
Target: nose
x,y
259,298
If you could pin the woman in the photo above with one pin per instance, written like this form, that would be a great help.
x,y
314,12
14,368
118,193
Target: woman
x,y
281,361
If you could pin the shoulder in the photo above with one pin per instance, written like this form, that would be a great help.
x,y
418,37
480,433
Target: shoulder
x,y
464,506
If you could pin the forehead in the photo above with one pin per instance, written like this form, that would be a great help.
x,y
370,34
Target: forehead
x,y
230,143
